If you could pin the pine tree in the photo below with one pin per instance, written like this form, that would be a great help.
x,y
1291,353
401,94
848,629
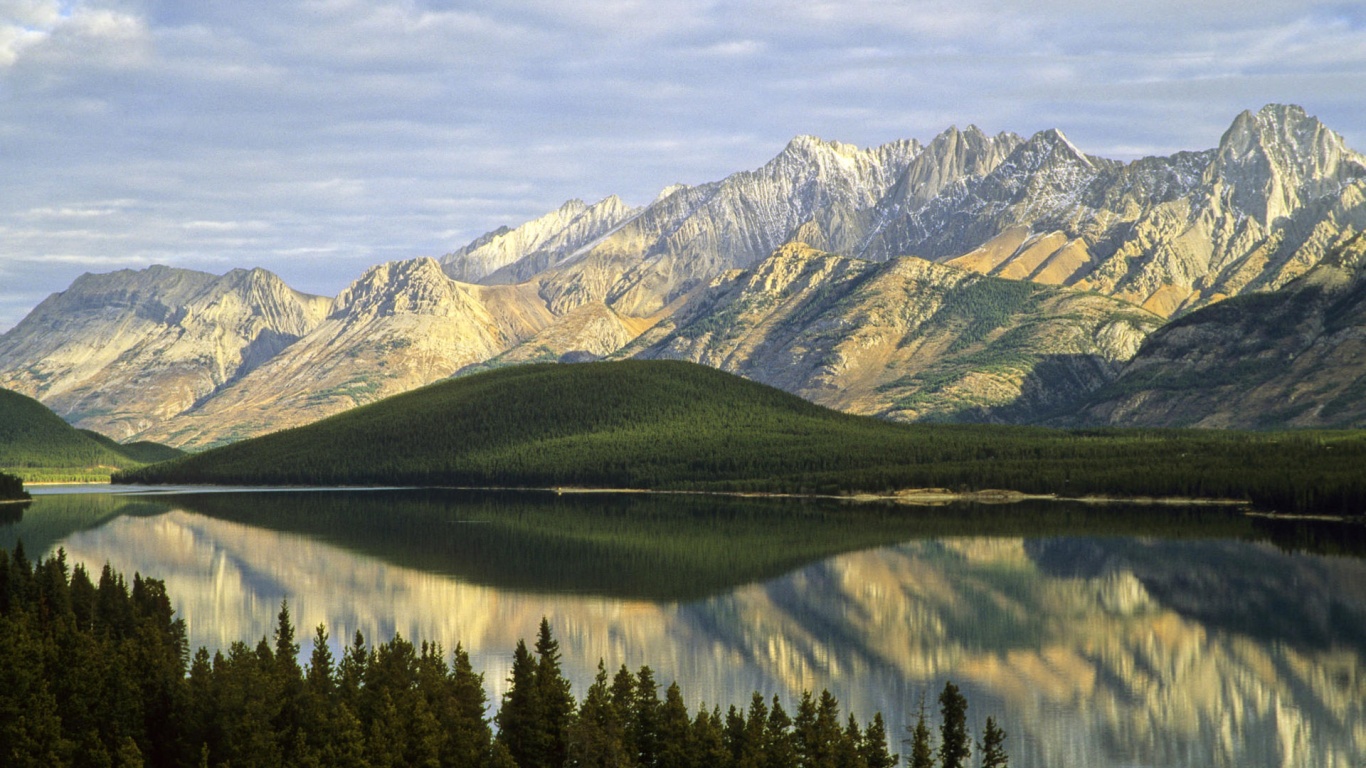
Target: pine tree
x,y
954,744
645,719
874,747
992,746
780,745
922,754
555,702
595,737
518,716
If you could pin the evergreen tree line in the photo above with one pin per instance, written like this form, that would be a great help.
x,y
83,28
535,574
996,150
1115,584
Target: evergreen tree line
x,y
95,672
667,425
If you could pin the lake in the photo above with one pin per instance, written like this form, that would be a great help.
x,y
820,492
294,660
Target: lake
x,y
1119,635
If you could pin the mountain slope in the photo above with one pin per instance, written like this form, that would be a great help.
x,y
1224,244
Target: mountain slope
x,y
1292,358
121,352
687,237
514,255
37,445
906,339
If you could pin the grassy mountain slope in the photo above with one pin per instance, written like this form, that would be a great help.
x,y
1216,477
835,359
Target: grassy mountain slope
x,y
36,444
676,425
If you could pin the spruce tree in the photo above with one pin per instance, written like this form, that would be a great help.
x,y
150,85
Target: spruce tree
x,y
922,754
954,745
555,702
992,746
518,715
645,720
595,737
780,745
675,728
470,735
874,747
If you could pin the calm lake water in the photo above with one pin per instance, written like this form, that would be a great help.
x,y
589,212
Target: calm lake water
x,y
1097,636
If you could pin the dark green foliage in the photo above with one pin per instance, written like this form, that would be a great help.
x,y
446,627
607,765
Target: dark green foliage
x,y
922,753
873,749
12,488
37,444
141,451
676,426
955,747
992,746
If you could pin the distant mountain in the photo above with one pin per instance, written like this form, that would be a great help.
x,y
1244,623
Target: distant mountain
x,y
197,360
1293,357
906,339
36,444
122,352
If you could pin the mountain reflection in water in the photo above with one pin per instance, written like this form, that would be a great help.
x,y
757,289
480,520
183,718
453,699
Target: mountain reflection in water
x,y
1190,639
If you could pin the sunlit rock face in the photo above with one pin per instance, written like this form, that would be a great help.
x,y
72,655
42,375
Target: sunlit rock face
x,y
123,351
902,339
1091,652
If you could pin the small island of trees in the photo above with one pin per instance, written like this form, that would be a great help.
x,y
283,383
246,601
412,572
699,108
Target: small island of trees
x,y
12,488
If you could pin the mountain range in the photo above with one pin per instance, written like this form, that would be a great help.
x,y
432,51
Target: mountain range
x,y
975,277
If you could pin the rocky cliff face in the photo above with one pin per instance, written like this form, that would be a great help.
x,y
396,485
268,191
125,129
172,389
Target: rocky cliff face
x,y
123,352
906,339
1294,357
686,238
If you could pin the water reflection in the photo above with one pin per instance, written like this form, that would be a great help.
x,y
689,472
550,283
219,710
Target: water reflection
x,y
1195,641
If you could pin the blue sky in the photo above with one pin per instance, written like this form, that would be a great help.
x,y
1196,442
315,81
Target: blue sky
x,y
317,138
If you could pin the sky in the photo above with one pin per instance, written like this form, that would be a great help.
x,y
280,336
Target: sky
x,y
318,138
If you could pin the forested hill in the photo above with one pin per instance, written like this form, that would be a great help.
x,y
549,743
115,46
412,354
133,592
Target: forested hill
x,y
36,444
670,425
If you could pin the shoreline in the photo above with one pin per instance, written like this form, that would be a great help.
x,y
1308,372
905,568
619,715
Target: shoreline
x,y
914,496
910,496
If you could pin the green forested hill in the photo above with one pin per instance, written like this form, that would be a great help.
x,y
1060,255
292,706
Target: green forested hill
x,y
680,426
36,444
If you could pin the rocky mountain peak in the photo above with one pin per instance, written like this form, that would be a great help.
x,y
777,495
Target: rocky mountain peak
x,y
951,157
670,190
415,286
1280,158
1052,147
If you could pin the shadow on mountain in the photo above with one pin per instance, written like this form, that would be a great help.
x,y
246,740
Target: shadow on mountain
x,y
1053,391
